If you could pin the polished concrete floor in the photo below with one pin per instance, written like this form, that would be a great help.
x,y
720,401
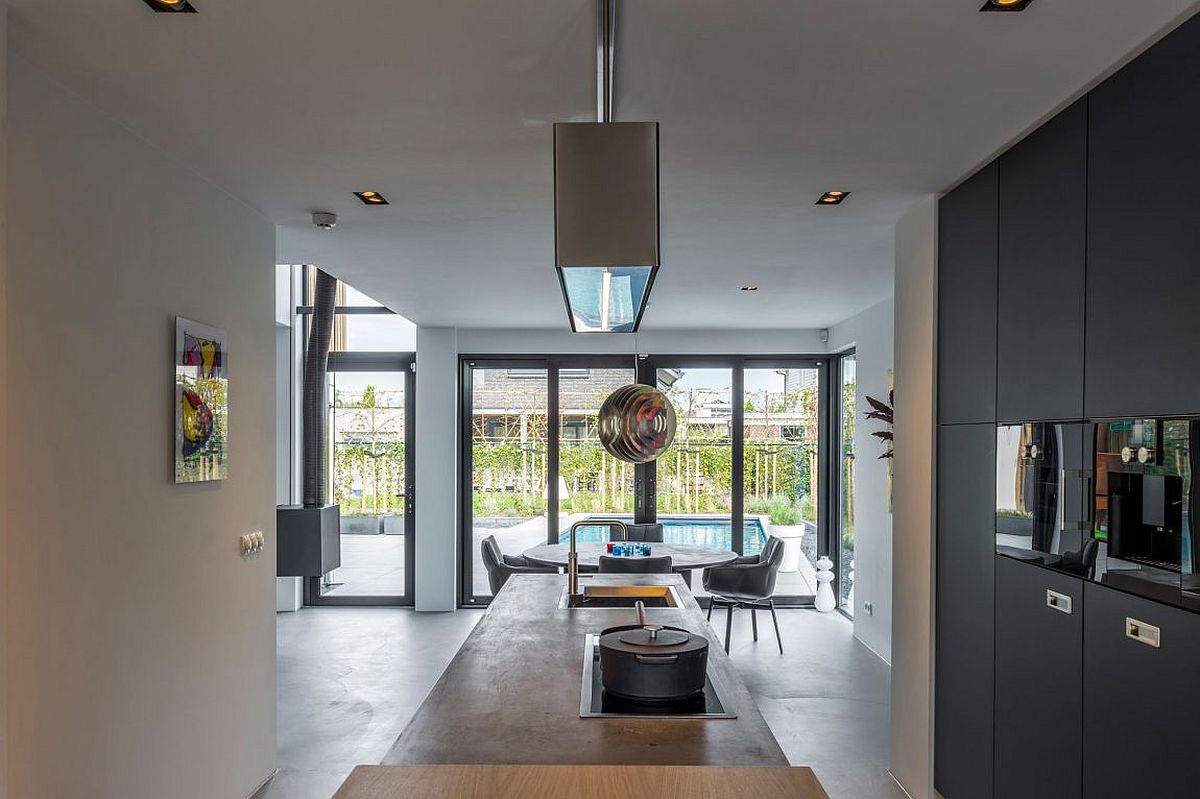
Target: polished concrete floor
x,y
350,678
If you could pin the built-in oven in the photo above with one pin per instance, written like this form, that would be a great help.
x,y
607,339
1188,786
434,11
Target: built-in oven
x,y
1110,501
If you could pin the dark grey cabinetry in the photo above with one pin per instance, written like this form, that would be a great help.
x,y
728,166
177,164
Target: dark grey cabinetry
x,y
1042,230
966,489
1143,239
967,301
1140,701
1039,691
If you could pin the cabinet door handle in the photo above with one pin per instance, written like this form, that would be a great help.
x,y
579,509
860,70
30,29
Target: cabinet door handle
x,y
1142,632
1060,602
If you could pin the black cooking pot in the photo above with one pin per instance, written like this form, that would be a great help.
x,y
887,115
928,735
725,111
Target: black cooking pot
x,y
652,663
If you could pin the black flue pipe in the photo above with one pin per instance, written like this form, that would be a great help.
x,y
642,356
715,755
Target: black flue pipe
x,y
316,366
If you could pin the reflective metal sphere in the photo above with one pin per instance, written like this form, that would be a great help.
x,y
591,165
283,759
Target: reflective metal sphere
x,y
636,423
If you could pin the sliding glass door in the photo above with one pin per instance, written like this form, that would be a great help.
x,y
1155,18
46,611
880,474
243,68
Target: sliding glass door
x,y
748,448
752,446
591,483
849,412
532,460
371,470
508,451
782,474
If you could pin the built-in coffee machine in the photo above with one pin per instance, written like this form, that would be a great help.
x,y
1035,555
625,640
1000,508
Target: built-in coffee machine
x,y
1110,501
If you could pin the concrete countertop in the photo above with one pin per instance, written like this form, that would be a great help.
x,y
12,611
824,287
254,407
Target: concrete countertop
x,y
511,694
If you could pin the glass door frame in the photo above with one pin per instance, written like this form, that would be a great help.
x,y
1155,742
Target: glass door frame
x,y
646,502
394,362
552,364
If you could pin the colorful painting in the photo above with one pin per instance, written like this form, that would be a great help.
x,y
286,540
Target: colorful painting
x,y
201,402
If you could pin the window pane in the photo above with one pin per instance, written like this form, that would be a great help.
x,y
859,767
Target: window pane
x,y
592,482
849,413
373,333
367,449
508,463
781,466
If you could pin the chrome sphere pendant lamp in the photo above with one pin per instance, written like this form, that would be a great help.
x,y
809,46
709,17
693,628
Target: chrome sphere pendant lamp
x,y
636,423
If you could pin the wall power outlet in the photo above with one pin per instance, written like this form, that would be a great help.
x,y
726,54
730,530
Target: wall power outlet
x,y
869,608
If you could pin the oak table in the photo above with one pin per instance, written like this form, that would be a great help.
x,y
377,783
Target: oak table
x,y
582,782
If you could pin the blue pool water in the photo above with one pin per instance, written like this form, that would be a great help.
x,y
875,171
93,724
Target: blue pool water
x,y
701,531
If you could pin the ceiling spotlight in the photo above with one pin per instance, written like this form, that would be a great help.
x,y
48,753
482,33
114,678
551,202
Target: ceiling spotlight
x,y
1006,5
832,197
172,6
371,198
749,288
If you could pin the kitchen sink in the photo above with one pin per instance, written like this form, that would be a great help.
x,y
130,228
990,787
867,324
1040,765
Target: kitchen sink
x,y
624,596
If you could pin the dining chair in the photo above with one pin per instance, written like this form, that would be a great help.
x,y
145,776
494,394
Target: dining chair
x,y
500,566
748,582
610,564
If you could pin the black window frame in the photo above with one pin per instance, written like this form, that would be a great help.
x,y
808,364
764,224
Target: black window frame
x,y
646,366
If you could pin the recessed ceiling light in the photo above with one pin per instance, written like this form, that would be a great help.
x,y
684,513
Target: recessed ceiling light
x,y
1006,5
832,197
172,6
371,198
749,288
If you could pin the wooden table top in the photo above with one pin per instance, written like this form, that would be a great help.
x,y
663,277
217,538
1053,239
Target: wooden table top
x,y
582,782
683,556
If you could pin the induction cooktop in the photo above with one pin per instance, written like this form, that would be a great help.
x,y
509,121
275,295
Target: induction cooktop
x,y
595,702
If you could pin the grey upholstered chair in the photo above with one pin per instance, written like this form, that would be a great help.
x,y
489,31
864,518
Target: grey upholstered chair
x,y
748,582
652,533
500,566
651,565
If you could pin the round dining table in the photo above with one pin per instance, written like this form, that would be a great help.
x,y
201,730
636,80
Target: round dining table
x,y
684,557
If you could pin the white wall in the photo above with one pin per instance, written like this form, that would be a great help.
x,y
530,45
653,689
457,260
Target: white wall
x,y
436,543
870,333
141,646
912,520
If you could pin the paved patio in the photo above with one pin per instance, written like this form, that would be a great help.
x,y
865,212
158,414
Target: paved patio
x,y
372,565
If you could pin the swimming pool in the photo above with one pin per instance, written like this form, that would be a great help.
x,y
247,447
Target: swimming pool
x,y
700,530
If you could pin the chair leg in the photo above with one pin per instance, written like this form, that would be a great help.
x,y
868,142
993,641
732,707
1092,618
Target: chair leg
x,y
711,603
754,622
728,626
778,637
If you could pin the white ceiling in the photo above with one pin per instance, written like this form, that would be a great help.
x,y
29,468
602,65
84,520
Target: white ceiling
x,y
446,107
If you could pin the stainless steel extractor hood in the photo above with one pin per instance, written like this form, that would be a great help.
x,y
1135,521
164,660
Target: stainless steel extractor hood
x,y
606,221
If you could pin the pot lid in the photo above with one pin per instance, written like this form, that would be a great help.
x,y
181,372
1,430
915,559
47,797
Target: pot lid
x,y
654,635
652,639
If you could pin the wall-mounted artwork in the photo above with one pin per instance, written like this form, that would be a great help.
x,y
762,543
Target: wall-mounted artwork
x,y
201,402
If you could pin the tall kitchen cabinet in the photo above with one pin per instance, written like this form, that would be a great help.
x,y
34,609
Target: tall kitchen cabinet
x,y
1143,234
1039,685
1141,703
966,490
965,485
966,330
1041,264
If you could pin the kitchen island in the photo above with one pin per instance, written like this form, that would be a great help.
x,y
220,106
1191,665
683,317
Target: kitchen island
x,y
511,694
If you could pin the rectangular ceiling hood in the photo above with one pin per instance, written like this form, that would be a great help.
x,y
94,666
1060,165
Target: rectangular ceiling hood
x,y
606,221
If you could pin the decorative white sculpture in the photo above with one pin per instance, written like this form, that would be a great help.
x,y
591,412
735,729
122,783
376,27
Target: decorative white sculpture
x,y
825,600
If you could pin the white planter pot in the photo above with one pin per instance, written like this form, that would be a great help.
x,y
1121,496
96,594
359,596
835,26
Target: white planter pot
x,y
791,535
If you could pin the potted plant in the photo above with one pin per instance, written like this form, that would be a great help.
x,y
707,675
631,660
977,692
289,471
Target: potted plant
x,y
787,525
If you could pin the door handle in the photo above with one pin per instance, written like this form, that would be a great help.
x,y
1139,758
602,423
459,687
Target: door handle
x,y
1058,601
1142,632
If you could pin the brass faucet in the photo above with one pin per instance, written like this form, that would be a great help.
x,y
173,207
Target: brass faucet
x,y
574,597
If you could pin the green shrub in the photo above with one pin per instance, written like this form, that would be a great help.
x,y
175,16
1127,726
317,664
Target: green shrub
x,y
781,511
